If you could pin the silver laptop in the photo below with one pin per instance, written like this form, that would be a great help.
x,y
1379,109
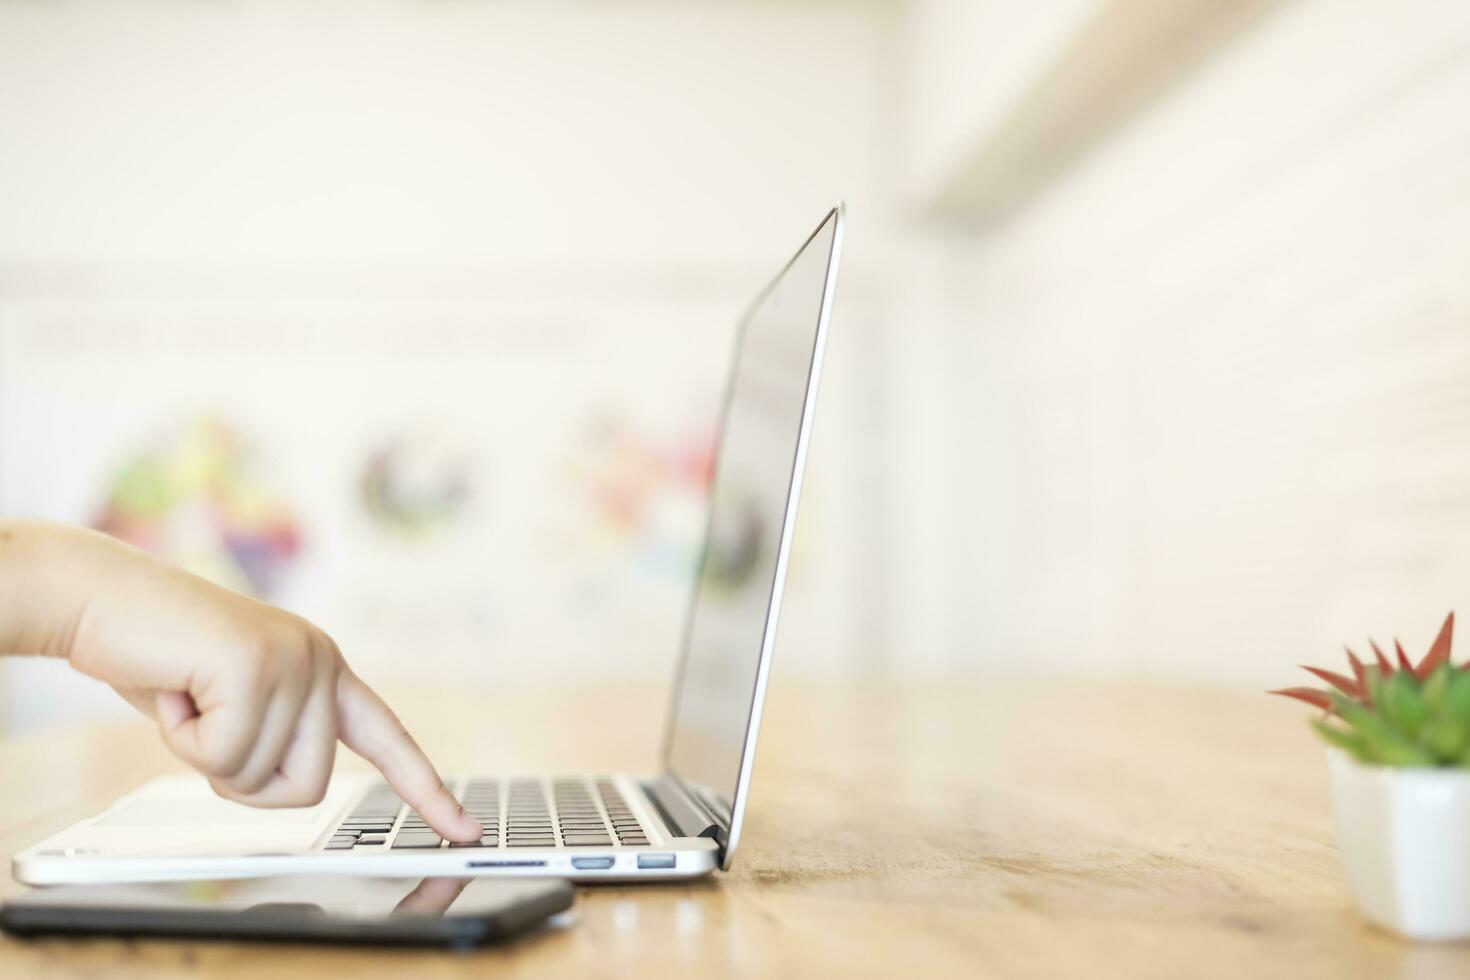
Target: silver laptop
x,y
681,822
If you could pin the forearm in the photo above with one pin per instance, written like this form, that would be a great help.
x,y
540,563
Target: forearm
x,y
48,574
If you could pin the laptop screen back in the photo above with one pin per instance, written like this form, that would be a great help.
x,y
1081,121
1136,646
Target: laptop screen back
x,y
752,501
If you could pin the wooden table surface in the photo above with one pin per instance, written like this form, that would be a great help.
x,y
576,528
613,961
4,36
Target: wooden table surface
x,y
997,829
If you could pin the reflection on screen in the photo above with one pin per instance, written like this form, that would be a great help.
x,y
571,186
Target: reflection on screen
x,y
747,506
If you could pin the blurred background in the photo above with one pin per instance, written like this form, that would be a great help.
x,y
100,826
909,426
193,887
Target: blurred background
x,y
1151,354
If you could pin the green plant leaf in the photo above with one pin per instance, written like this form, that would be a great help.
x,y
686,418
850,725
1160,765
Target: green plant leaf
x,y
1456,700
1434,688
1383,742
1446,738
1351,742
1446,734
1402,705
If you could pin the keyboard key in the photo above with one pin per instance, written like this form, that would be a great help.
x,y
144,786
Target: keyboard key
x,y
417,840
339,845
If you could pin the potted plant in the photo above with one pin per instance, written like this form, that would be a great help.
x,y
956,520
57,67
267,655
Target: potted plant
x,y
1399,760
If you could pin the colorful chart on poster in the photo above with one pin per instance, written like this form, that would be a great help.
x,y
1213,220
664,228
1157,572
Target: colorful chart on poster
x,y
192,496
413,484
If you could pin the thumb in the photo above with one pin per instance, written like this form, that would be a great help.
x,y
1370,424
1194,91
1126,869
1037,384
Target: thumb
x,y
174,711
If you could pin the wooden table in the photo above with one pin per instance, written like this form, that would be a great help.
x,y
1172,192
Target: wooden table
x,y
1001,829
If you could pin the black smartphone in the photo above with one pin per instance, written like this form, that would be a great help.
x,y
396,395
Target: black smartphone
x,y
460,912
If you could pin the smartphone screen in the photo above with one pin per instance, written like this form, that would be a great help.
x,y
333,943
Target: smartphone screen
x,y
458,911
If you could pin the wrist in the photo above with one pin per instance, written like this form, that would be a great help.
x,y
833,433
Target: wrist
x,y
45,586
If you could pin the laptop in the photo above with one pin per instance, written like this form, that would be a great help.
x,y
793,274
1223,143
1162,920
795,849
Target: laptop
x,y
682,821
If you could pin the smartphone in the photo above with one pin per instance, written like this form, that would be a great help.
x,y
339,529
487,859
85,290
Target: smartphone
x,y
460,912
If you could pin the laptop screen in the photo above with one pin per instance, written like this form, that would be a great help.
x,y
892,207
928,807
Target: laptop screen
x,y
753,497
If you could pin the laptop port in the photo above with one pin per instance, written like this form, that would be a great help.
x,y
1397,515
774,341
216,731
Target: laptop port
x,y
505,864
592,864
655,860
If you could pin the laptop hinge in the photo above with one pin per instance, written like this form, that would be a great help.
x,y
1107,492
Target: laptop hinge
x,y
682,812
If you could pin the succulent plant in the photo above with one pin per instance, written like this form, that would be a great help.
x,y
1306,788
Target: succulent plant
x,y
1396,713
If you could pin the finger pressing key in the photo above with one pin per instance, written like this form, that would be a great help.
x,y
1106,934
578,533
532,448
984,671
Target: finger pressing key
x,y
369,727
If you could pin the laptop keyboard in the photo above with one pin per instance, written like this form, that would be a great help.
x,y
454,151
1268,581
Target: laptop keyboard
x,y
569,811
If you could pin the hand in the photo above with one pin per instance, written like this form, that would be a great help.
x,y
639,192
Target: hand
x,y
253,697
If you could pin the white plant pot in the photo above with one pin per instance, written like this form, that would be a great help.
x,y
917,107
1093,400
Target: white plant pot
x,y
1405,838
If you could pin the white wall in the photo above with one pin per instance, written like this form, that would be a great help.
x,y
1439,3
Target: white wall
x,y
969,62
522,133
1213,381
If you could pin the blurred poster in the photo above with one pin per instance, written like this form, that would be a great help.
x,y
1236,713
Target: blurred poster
x,y
494,492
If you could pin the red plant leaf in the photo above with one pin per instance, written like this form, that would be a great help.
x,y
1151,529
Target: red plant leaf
x,y
1312,696
1403,657
1359,671
1346,685
1439,651
1384,667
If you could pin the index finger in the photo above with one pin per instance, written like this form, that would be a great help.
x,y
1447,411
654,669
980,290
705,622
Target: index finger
x,y
367,726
